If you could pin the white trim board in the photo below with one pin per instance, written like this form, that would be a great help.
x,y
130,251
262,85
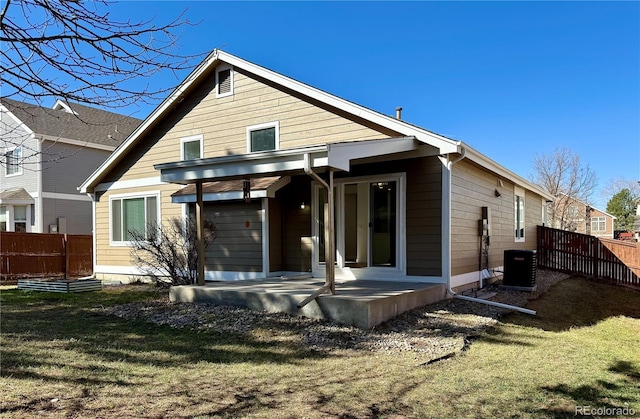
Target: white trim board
x,y
209,275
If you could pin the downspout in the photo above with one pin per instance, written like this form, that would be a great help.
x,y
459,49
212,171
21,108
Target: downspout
x,y
446,230
329,285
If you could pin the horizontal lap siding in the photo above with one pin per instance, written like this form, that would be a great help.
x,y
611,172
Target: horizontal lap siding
x,y
423,210
77,214
238,243
424,217
222,122
473,188
120,255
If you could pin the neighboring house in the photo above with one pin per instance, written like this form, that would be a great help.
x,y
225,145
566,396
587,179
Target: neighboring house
x,y
407,201
46,153
580,217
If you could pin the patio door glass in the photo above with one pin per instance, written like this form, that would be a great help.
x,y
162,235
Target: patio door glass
x,y
383,223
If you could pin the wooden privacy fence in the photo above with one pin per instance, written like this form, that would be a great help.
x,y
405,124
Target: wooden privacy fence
x,y
36,255
606,260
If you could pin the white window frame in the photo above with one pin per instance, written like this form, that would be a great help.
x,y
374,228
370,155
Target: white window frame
x,y
401,219
191,139
18,166
519,193
132,195
597,221
273,124
223,67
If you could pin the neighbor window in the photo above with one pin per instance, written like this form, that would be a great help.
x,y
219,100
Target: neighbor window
x,y
224,81
12,161
263,137
20,218
3,218
191,147
519,214
133,214
598,224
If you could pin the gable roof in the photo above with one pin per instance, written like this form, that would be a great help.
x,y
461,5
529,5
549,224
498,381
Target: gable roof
x,y
565,196
72,121
443,144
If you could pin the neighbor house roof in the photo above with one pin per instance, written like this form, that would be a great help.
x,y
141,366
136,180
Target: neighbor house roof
x,y
72,121
16,196
565,196
443,144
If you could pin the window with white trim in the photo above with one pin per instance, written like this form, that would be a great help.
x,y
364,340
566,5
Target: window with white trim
x,y
263,137
191,148
20,218
519,215
3,218
12,161
133,213
598,224
224,80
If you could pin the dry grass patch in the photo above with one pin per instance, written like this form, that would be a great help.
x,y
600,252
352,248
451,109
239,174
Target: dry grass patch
x,y
62,356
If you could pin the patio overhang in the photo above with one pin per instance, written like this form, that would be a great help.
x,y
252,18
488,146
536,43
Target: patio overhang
x,y
296,161
335,156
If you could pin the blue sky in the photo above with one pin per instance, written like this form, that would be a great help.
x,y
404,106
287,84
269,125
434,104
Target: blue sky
x,y
511,79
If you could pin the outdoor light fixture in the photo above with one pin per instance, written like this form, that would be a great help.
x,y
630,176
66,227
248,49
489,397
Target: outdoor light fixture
x,y
302,205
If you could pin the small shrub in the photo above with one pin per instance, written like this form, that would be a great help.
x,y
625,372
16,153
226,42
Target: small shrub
x,y
168,253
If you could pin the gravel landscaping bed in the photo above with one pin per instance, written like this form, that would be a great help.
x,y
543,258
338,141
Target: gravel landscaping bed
x,y
435,331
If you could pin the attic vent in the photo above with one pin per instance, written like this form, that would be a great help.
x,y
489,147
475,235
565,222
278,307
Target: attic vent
x,y
224,82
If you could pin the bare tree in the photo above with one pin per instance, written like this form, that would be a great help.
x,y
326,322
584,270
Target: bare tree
x,y
563,175
167,253
77,51
616,185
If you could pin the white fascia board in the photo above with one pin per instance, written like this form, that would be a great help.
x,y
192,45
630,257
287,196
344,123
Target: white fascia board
x,y
341,154
445,145
491,165
176,95
234,167
83,144
17,121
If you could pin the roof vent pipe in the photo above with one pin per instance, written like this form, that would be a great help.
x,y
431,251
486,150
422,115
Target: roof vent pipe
x,y
398,112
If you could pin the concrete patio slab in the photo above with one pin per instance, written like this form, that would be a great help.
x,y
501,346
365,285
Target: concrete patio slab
x,y
361,303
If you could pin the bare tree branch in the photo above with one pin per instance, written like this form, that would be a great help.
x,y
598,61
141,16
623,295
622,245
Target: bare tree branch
x,y
75,50
562,174
167,253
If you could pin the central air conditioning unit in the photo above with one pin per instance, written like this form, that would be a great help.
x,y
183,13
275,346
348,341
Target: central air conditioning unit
x,y
520,269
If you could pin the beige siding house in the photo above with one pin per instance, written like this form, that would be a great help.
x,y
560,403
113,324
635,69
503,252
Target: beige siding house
x,y
408,202
580,217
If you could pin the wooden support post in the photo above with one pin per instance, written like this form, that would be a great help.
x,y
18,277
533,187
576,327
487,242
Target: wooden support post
x,y
331,265
200,232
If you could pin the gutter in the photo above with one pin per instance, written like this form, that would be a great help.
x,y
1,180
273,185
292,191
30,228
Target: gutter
x,y
446,223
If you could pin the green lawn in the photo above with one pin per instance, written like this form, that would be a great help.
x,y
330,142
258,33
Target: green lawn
x,y
62,357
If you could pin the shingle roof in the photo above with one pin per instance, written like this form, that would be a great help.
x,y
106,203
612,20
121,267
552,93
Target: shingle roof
x,y
87,124
16,194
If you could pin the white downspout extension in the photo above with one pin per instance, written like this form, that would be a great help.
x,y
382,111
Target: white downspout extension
x,y
446,237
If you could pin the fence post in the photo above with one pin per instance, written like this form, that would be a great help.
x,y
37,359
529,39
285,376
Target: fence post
x,y
594,252
65,248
